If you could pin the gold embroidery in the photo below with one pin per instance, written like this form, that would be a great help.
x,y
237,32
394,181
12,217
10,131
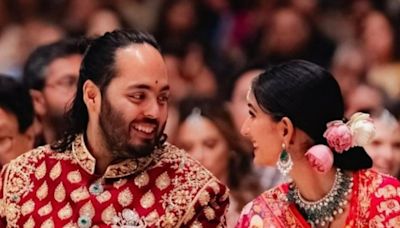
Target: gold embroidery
x,y
214,185
12,214
147,200
45,210
123,168
394,222
42,191
65,212
59,193
190,214
196,224
256,222
70,225
125,197
377,221
108,214
48,223
41,171
152,218
387,191
104,197
29,223
55,171
82,155
204,198
120,183
163,181
79,194
389,206
142,179
87,210
74,177
209,213
27,207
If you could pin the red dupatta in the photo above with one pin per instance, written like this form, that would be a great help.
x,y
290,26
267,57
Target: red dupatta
x,y
375,202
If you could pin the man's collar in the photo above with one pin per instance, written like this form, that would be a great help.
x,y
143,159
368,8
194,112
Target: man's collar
x,y
124,168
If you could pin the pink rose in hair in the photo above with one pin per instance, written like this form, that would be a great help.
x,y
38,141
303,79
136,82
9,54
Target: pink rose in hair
x,y
320,158
338,135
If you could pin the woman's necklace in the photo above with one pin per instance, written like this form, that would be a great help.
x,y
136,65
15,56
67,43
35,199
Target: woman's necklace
x,y
323,211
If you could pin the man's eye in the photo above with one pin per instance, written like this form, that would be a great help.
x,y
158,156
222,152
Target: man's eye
x,y
252,114
138,96
163,99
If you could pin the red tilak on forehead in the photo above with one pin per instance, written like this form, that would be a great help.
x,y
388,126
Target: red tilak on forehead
x,y
156,81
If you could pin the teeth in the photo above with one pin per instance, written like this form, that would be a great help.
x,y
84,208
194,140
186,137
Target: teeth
x,y
144,128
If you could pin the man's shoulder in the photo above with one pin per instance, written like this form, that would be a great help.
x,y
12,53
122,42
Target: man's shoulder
x,y
34,157
181,162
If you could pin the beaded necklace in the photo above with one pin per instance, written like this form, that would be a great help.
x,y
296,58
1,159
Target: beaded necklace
x,y
323,211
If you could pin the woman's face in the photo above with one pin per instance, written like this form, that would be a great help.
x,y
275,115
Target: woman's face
x,y
204,142
385,148
262,131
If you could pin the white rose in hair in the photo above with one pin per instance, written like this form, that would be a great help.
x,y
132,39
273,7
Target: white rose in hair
x,y
362,128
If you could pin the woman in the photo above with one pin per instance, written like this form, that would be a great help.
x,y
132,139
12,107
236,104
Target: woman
x,y
206,131
296,112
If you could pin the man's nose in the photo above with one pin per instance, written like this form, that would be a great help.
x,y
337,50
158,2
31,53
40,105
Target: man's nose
x,y
152,109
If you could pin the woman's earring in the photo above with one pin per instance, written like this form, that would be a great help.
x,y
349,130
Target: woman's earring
x,y
284,163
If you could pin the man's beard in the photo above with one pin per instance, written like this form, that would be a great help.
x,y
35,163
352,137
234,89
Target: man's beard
x,y
117,135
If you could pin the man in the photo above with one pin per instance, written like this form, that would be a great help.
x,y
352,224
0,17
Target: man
x,y
16,118
113,167
51,73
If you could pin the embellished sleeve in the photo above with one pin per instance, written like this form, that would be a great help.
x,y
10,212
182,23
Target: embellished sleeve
x,y
244,219
209,207
385,204
3,222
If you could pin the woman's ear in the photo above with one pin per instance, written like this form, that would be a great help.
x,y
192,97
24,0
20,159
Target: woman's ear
x,y
287,130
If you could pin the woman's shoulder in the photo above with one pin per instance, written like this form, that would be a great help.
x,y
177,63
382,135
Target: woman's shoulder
x,y
272,197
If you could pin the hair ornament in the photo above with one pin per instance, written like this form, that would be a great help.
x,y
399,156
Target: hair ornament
x,y
341,136
358,131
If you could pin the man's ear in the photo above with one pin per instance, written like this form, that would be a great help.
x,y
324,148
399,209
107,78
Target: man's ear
x,y
286,128
91,96
39,103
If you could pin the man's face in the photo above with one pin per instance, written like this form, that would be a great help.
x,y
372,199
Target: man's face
x,y
134,106
12,142
60,87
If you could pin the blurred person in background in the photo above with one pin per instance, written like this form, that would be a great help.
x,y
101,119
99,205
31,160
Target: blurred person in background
x,y
207,133
384,148
348,67
365,98
51,73
289,35
103,20
16,120
189,72
381,49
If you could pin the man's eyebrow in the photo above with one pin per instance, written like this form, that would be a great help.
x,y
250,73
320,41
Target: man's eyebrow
x,y
147,87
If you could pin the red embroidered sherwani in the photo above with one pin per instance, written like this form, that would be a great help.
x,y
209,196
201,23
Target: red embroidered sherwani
x,y
44,188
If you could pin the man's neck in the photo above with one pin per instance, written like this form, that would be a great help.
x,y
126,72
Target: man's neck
x,y
96,146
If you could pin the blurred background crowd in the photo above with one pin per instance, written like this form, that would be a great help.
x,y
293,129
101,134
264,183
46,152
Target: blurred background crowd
x,y
213,49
